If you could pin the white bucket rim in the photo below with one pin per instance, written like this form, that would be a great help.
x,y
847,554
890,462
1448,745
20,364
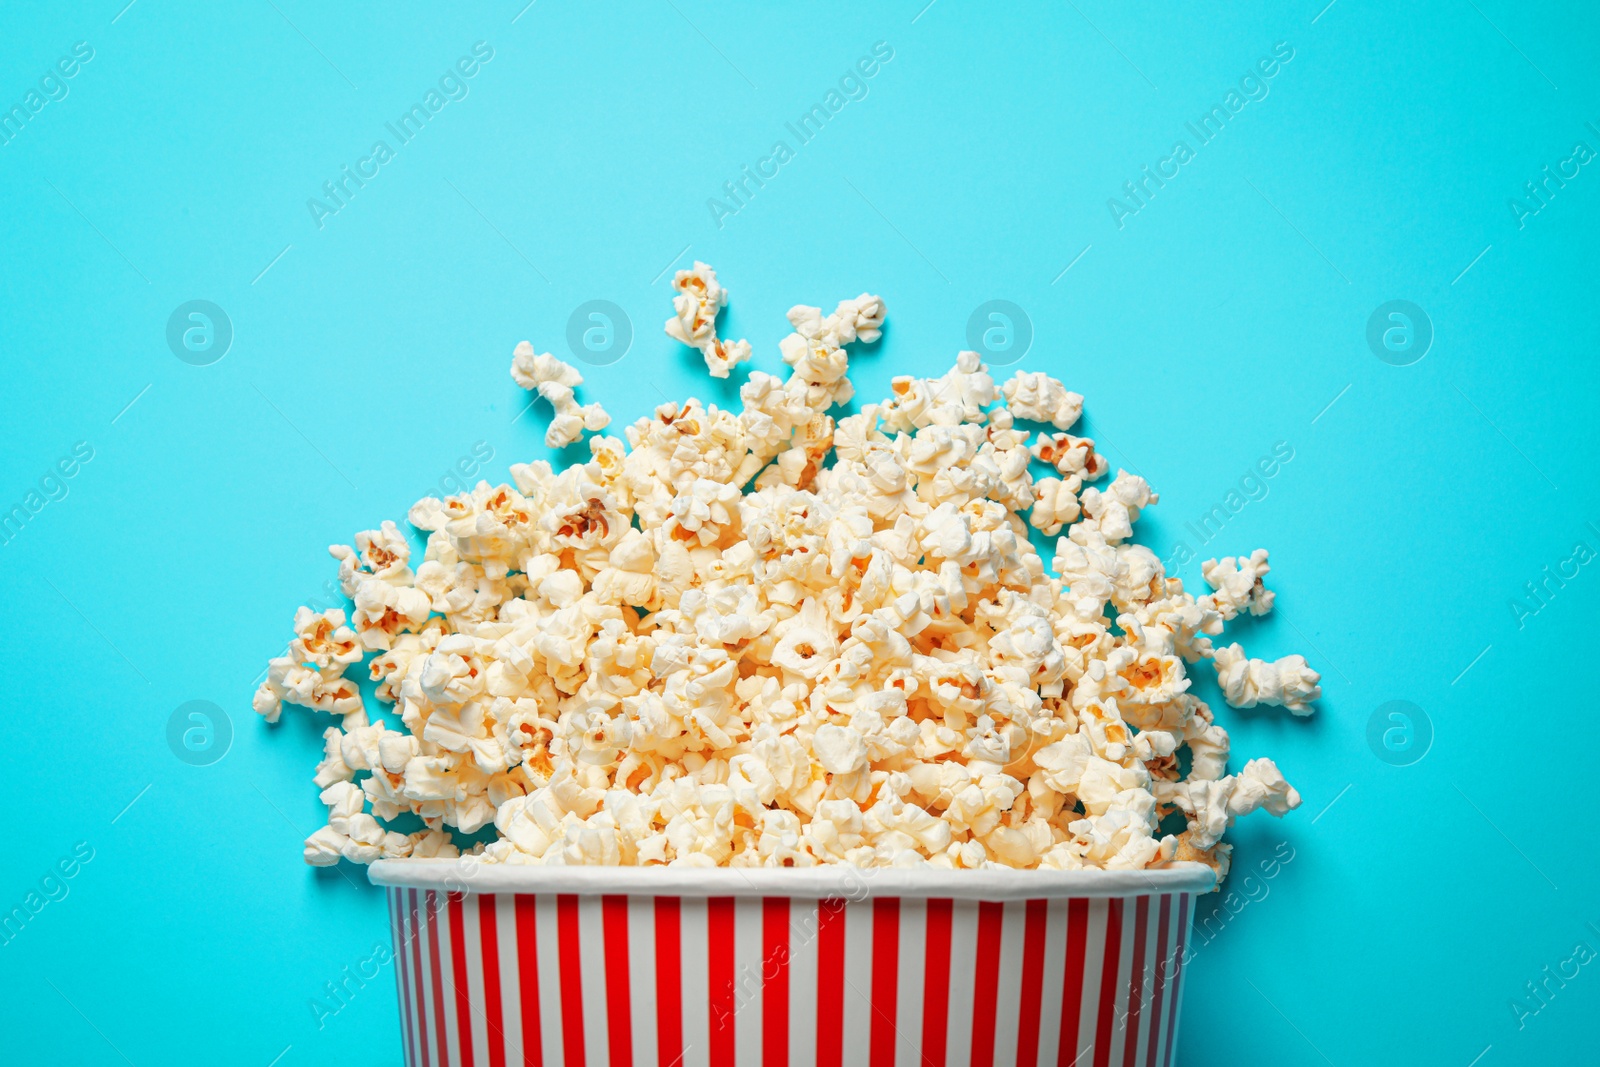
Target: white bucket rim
x,y
467,875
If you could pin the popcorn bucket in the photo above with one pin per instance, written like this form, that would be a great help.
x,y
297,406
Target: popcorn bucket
x,y
504,966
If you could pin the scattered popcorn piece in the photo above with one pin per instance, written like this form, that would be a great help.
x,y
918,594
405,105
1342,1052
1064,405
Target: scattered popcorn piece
x,y
1237,584
1211,806
1072,457
376,575
1261,785
1040,398
1247,682
694,322
1055,505
312,673
860,319
324,847
774,637
555,381
1114,511
960,396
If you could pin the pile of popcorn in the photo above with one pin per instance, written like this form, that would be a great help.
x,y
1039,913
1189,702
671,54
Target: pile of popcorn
x,y
770,637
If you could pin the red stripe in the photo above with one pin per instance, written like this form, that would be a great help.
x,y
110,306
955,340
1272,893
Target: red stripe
x,y
936,985
986,982
1163,921
398,924
669,984
619,1013
1072,982
489,942
570,953
830,983
775,982
1141,926
1177,974
1033,935
528,979
1108,984
416,977
722,1001
885,979
458,972
432,919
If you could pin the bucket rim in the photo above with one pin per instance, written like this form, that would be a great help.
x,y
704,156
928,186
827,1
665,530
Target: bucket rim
x,y
468,876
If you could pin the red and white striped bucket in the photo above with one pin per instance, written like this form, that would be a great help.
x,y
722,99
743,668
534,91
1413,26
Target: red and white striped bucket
x,y
649,967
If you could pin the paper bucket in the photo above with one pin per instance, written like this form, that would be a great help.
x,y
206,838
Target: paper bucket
x,y
650,967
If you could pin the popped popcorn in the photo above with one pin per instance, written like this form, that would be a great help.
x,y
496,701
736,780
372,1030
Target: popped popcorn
x,y
1072,457
1237,584
555,381
768,637
1041,398
694,322
1248,682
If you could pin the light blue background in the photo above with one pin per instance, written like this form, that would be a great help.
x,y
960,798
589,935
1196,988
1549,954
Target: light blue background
x,y
1224,317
